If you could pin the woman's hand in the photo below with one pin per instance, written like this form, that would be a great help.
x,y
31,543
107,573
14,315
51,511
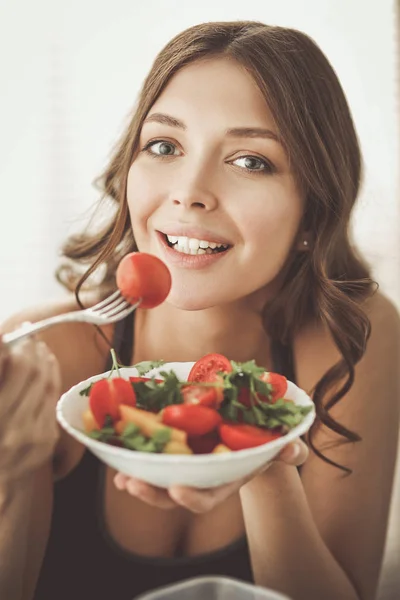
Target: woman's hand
x,y
29,388
198,500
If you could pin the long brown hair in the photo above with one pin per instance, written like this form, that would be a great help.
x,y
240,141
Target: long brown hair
x,y
313,118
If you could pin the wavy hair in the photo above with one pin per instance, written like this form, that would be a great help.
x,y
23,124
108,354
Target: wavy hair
x,y
309,107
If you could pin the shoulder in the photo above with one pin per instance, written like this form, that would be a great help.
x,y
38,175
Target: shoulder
x,y
316,352
351,512
79,347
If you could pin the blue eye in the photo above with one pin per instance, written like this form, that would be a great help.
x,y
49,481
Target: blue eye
x,y
161,148
253,164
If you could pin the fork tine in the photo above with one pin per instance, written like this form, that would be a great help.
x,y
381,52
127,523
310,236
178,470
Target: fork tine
x,y
121,315
106,301
123,304
108,307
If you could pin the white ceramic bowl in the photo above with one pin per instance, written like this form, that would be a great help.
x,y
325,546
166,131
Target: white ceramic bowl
x,y
164,470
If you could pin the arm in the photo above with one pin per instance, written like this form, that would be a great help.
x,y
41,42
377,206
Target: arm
x,y
30,440
15,500
323,536
19,501
29,386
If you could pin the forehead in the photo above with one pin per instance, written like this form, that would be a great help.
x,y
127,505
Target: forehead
x,y
218,89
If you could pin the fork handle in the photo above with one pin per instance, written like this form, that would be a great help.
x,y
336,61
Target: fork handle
x,y
28,330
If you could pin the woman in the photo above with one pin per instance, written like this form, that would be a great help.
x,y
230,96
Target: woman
x,y
242,143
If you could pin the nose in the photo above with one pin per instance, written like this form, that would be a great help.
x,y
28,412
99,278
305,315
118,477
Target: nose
x,y
195,192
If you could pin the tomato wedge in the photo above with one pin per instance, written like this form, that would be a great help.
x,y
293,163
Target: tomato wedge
x,y
207,367
194,419
140,379
242,436
205,396
204,444
106,395
279,385
244,397
141,275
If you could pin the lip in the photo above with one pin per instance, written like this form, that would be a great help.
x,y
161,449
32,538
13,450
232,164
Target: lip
x,y
188,261
199,233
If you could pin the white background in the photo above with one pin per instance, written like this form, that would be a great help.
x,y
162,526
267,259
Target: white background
x,y
70,73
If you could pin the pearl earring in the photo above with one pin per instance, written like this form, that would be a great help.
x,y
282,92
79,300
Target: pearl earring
x,y
305,243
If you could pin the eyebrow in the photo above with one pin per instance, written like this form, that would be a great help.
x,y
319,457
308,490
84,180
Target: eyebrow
x,y
239,132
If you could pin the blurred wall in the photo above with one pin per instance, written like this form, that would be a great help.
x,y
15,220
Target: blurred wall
x,y
70,73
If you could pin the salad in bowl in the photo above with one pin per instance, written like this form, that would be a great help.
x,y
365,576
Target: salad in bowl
x,y
199,424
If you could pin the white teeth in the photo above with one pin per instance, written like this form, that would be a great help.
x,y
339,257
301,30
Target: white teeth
x,y
192,251
183,242
194,244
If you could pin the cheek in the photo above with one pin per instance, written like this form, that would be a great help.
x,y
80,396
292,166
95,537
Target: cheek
x,y
142,201
270,231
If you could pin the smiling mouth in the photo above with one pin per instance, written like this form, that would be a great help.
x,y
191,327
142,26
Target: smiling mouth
x,y
194,246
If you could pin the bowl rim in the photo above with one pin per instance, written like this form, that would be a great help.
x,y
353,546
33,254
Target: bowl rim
x,y
223,457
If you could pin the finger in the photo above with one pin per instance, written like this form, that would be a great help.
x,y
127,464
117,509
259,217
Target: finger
x,y
54,373
203,500
39,389
29,404
149,494
22,368
51,382
294,454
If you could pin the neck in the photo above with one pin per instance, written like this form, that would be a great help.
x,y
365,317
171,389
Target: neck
x,y
172,334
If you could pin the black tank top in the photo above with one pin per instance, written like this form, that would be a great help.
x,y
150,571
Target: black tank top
x,y
82,562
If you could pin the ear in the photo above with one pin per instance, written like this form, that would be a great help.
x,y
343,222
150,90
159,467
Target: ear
x,y
304,242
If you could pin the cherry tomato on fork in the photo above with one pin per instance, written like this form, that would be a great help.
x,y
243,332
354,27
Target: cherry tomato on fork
x,y
141,275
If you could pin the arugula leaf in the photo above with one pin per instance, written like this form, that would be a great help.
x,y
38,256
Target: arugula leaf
x,y
151,395
86,390
130,430
147,365
105,434
162,436
133,439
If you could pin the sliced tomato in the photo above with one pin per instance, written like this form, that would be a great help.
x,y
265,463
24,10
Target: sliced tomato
x,y
194,419
207,367
140,379
279,385
106,395
206,396
245,399
204,444
242,436
141,275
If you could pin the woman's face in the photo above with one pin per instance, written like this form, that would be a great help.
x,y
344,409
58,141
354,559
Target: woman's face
x,y
211,192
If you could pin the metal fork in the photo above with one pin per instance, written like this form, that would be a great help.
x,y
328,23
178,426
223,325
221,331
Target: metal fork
x,y
114,308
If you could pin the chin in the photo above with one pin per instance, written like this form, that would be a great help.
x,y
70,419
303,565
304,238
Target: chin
x,y
191,301
190,304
